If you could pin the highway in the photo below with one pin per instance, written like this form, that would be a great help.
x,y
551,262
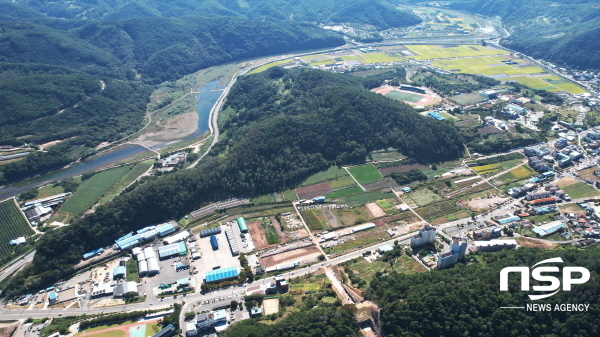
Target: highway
x,y
16,265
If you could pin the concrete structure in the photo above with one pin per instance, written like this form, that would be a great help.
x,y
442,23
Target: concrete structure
x,y
190,329
212,319
495,245
426,235
457,252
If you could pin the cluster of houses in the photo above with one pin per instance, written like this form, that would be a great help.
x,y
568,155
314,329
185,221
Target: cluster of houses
x,y
541,158
514,111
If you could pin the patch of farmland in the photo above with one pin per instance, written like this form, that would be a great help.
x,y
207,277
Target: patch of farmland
x,y
363,198
352,216
365,173
309,192
424,196
345,192
386,182
315,219
580,190
401,168
12,225
130,177
91,190
331,173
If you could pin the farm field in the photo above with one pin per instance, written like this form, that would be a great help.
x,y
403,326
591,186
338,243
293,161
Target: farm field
x,y
353,216
580,190
424,196
130,177
345,192
272,236
379,58
363,198
342,182
330,174
491,169
92,190
519,173
12,225
367,270
269,65
315,219
289,195
364,174
424,52
522,72
364,58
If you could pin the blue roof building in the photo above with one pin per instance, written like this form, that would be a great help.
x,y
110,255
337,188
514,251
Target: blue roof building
x,y
53,297
436,115
220,275
119,272
165,229
93,253
549,228
509,219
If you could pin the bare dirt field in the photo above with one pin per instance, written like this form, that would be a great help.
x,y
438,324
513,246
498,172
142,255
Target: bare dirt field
x,y
174,128
567,181
282,235
302,254
533,243
257,232
375,210
589,174
312,191
401,168
270,306
482,204
409,228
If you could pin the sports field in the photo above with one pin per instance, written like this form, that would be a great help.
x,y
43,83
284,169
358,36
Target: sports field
x,y
404,96
365,173
425,52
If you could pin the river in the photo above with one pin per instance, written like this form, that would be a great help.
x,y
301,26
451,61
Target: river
x,y
207,97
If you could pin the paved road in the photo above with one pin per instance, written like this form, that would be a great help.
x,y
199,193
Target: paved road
x,y
16,265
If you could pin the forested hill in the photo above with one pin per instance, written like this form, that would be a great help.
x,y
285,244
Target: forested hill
x,y
159,49
284,126
379,13
45,70
466,301
562,31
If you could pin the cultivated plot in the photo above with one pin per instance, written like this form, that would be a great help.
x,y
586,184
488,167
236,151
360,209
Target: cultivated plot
x,y
12,225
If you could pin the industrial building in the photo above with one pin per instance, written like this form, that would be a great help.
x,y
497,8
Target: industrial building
x,y
549,228
509,219
214,242
173,250
165,229
149,252
457,251
153,267
181,236
242,225
495,245
220,275
436,115
127,288
206,321
94,252
235,250
363,227
119,272
143,268
426,235
544,201
48,201
282,266
538,195
128,241
210,231
37,212
53,297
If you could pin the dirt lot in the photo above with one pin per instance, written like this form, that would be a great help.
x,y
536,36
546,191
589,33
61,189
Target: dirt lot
x,y
257,232
533,243
375,210
312,191
302,254
481,204
353,216
409,228
271,306
282,236
567,181
589,174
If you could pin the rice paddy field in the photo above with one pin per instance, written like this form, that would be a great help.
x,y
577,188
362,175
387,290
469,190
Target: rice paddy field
x,y
364,58
494,63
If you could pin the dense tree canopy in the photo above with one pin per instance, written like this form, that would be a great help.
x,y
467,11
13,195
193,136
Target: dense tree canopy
x,y
466,300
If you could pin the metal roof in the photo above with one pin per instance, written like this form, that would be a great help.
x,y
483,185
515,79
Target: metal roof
x,y
221,274
242,224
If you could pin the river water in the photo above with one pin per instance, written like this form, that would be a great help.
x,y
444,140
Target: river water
x,y
207,97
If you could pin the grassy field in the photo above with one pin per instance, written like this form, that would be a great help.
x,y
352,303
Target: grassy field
x,y
424,196
289,195
132,270
521,172
91,190
331,173
344,193
12,225
379,58
49,190
389,155
315,219
269,65
263,199
272,236
130,177
424,52
363,198
342,182
152,329
580,190
353,216
367,271
365,173
404,96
